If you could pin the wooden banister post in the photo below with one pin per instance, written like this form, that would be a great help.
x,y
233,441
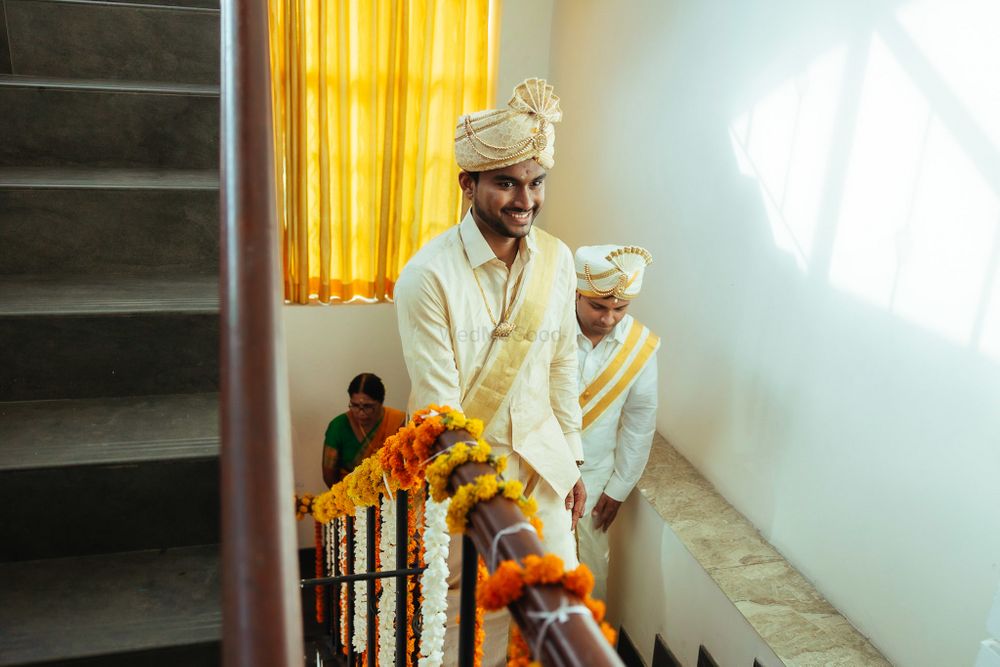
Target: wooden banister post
x,y
261,612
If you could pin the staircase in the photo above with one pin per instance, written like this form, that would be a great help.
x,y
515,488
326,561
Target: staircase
x,y
109,332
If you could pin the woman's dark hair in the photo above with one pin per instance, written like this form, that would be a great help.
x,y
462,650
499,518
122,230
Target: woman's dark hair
x,y
369,384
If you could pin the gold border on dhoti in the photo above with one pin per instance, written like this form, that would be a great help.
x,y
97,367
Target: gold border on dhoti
x,y
506,356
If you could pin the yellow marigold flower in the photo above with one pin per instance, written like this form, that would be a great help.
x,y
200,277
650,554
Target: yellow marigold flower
x,y
513,489
455,420
475,428
528,505
537,523
487,486
500,464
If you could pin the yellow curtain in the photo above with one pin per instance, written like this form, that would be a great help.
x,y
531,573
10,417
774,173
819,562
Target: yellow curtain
x,y
366,95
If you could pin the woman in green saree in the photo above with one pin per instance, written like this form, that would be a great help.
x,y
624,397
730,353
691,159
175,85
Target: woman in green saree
x,y
358,433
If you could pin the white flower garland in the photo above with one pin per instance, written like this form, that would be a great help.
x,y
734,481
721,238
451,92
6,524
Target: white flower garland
x,y
434,583
342,588
360,640
386,615
328,538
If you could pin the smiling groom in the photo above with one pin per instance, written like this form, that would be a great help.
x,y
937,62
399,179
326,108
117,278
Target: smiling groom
x,y
486,314
487,322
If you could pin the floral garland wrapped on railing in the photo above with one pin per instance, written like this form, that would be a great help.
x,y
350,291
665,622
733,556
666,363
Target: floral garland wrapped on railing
x,y
405,462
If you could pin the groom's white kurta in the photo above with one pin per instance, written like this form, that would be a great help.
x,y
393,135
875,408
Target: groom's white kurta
x,y
616,444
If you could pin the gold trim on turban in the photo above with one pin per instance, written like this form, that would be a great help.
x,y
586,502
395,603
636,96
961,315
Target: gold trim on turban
x,y
622,280
498,138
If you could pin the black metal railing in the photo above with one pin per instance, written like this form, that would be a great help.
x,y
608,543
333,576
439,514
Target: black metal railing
x,y
402,571
577,641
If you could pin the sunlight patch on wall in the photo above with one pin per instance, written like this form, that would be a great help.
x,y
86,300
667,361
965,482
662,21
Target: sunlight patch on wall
x,y
959,39
918,220
989,336
783,143
947,242
880,185
912,222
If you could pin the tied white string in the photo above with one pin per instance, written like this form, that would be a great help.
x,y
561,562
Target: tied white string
x,y
385,480
448,449
509,530
559,615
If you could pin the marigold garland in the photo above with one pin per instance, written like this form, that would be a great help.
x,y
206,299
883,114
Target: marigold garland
x,y
506,585
303,505
518,653
319,590
439,472
345,626
483,488
480,631
413,548
399,464
405,462
378,547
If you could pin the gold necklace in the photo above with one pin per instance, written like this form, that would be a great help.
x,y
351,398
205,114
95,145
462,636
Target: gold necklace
x,y
503,328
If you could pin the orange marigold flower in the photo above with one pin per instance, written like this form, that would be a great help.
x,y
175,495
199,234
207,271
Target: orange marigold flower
x,y
504,586
537,523
579,581
596,607
518,653
547,569
609,633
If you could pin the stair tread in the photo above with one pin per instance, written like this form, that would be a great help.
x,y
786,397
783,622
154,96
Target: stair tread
x,y
111,603
46,434
108,85
170,5
116,294
122,179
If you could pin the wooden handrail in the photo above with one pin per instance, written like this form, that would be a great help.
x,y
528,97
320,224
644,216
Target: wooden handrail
x,y
261,613
576,642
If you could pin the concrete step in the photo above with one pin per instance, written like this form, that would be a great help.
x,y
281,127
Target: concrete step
x,y
104,508
139,608
59,123
153,4
173,40
49,178
132,429
107,336
78,230
33,295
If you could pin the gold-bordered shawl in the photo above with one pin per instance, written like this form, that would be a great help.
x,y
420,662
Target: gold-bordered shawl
x,y
506,356
639,346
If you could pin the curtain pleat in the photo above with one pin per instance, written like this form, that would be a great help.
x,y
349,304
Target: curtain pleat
x,y
366,94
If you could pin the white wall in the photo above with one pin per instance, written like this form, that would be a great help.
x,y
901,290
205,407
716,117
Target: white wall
x,y
989,651
818,184
525,26
660,589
